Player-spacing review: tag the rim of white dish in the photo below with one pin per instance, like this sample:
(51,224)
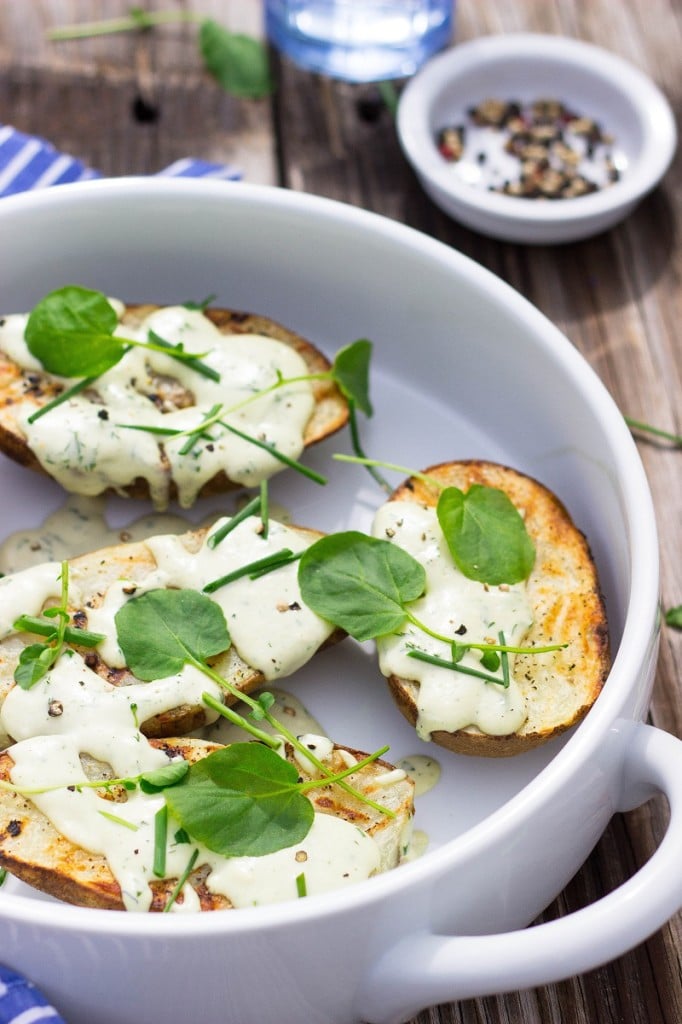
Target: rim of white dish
(654,114)
(639,619)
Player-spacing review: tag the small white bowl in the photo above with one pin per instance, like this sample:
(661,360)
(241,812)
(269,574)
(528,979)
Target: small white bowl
(525,67)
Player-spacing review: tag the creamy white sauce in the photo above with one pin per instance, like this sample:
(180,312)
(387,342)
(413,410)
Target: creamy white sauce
(77,526)
(83,442)
(424,772)
(26,592)
(271,628)
(456,607)
(72,711)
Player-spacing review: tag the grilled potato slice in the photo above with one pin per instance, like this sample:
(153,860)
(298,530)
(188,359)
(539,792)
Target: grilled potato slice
(563,591)
(36,853)
(91,576)
(30,389)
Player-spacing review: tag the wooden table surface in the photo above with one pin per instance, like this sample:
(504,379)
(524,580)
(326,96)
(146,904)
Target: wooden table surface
(618,298)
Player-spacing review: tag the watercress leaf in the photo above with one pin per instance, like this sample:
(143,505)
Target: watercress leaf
(162,630)
(161,778)
(458,651)
(71,332)
(31,666)
(360,583)
(242,800)
(237,62)
(490,660)
(485,534)
(351,373)
(673,617)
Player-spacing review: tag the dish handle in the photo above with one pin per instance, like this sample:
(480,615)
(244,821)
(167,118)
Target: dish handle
(424,969)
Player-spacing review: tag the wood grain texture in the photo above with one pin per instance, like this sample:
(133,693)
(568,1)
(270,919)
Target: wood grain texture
(617,297)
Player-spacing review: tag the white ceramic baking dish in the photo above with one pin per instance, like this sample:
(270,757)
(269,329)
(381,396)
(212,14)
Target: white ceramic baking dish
(464,367)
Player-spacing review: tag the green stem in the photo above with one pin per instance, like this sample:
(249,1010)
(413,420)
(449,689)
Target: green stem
(281,730)
(239,720)
(139,20)
(362,460)
(500,647)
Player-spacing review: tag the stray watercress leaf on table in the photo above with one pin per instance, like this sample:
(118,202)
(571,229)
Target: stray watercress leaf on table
(673,617)
(485,534)
(360,583)
(242,800)
(239,63)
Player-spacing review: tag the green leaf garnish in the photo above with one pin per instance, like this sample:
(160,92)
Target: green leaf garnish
(360,583)
(242,800)
(237,62)
(71,332)
(350,371)
(161,778)
(485,534)
(35,660)
(161,630)
(673,617)
(157,639)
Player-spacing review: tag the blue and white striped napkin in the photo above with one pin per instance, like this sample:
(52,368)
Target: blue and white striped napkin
(28,161)
(22,1003)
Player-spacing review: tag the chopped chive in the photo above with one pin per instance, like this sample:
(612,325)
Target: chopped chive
(264,509)
(196,435)
(119,821)
(254,569)
(431,659)
(293,556)
(301,887)
(181,881)
(504,657)
(84,637)
(249,510)
(280,456)
(160,841)
(60,399)
(193,362)
(656,431)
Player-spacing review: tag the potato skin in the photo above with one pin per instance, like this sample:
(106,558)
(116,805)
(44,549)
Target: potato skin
(564,593)
(16,385)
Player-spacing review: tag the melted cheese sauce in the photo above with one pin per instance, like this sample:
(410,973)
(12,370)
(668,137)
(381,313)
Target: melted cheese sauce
(84,444)
(464,609)
(72,711)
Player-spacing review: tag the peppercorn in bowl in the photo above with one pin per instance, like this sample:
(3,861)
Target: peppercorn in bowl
(535,139)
